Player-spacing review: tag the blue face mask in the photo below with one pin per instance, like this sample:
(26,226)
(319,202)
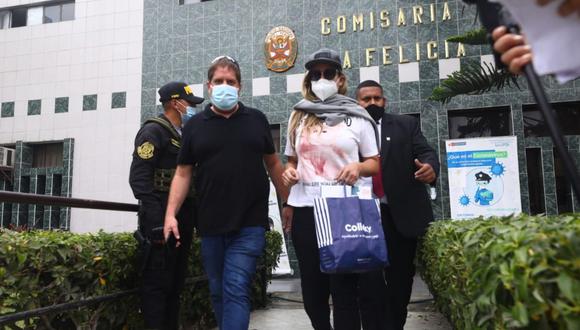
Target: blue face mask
(224,97)
(189,112)
(185,117)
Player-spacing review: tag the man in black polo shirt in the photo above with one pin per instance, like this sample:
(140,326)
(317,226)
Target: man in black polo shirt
(227,145)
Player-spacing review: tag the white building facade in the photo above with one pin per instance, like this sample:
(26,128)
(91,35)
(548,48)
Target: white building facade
(70,96)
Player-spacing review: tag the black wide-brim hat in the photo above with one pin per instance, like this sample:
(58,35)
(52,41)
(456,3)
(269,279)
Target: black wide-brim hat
(176,90)
(324,55)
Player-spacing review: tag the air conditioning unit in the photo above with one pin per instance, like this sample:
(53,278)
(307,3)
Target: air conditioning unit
(7,157)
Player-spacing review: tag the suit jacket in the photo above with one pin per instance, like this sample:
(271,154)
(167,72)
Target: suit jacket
(401,143)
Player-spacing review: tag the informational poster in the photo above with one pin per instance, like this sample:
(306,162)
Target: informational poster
(275,220)
(484,178)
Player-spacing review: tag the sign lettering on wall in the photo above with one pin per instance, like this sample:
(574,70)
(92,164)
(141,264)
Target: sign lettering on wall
(386,19)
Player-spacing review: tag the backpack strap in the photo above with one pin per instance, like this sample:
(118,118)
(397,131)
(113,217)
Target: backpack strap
(165,124)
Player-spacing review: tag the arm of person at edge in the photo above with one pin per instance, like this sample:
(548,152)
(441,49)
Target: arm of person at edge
(177,193)
(426,160)
(515,51)
(275,170)
(289,178)
(513,48)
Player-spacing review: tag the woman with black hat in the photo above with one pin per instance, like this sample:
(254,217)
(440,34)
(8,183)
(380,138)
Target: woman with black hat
(331,141)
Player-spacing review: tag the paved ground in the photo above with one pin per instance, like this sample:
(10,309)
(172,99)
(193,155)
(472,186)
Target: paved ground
(286,312)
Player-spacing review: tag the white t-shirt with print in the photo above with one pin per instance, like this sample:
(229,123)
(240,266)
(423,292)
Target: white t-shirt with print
(323,154)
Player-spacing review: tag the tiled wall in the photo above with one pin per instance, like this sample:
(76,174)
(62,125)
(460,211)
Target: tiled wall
(181,40)
(179,43)
(79,80)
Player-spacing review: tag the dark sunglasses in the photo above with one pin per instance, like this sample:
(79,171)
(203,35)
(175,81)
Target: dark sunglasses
(329,74)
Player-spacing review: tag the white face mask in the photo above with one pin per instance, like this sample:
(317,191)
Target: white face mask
(324,88)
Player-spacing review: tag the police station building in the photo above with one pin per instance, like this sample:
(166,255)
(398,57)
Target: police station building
(78,77)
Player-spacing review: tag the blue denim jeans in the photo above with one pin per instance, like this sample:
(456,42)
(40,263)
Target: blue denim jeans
(230,263)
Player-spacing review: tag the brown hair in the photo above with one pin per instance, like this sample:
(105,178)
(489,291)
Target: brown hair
(310,120)
(226,62)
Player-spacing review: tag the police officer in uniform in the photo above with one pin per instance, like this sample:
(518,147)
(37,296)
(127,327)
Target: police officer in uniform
(163,264)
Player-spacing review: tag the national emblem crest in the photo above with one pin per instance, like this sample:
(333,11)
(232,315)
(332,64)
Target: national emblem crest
(280,49)
(145,150)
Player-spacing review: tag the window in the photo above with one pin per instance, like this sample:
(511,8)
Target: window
(39,209)
(9,154)
(56,191)
(567,114)
(19,17)
(67,11)
(51,12)
(5,17)
(6,207)
(47,155)
(535,180)
(23,208)
(34,16)
(563,186)
(480,122)
(59,12)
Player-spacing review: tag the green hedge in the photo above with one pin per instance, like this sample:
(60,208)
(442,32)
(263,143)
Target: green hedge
(43,268)
(502,273)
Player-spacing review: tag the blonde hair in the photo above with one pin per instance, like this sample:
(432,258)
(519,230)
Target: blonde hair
(310,120)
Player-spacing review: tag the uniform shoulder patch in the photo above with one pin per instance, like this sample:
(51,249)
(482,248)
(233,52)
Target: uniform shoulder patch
(146,150)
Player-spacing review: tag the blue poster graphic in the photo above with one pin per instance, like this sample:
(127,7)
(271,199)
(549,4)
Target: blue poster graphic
(483,177)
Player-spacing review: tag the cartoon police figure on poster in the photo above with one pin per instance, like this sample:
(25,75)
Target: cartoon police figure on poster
(280,49)
(483,177)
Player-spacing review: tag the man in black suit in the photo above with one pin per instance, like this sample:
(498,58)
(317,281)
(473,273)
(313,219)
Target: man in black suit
(408,163)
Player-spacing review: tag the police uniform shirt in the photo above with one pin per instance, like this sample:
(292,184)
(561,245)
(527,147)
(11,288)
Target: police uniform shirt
(156,148)
(231,181)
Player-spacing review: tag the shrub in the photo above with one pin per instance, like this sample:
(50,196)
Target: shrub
(511,272)
(44,268)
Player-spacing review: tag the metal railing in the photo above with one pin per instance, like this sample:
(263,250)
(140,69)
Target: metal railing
(26,198)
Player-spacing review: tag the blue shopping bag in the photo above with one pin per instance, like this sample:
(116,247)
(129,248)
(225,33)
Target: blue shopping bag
(349,234)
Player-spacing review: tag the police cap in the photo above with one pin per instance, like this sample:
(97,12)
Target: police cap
(176,90)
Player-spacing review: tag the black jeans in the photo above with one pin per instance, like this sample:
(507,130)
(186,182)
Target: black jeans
(358,298)
(399,274)
(164,276)
(315,284)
